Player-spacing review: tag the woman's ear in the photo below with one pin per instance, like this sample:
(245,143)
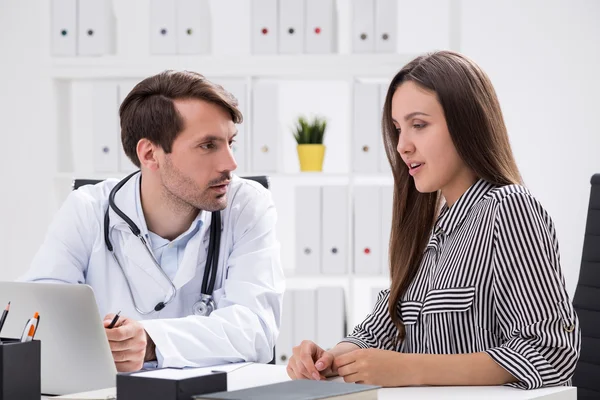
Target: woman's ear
(147,152)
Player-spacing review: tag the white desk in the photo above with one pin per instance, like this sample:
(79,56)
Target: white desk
(263,374)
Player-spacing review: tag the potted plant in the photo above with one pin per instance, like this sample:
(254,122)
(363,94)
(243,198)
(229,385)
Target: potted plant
(309,136)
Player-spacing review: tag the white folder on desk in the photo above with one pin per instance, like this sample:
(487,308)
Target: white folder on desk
(125,164)
(367,230)
(193,26)
(386,22)
(291,26)
(64,27)
(386,194)
(264,26)
(163,31)
(96,28)
(285,340)
(363,26)
(105,127)
(265,127)
(331,316)
(238,88)
(366,138)
(308,230)
(335,230)
(320,32)
(305,310)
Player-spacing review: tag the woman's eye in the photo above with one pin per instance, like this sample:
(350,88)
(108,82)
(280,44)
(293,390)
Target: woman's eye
(419,126)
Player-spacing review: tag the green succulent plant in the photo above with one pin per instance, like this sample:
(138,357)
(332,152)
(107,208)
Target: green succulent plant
(310,131)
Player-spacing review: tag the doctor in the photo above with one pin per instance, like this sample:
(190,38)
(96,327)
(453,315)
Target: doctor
(178,128)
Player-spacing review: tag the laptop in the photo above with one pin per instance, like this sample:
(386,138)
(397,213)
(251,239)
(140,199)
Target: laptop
(76,356)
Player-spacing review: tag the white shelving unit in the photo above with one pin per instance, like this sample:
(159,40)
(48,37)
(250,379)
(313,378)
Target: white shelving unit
(344,67)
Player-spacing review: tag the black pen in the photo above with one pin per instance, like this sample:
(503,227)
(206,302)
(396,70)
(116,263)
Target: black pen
(4,314)
(114,321)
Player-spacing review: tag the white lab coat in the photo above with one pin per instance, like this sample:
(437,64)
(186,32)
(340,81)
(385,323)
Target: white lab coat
(248,289)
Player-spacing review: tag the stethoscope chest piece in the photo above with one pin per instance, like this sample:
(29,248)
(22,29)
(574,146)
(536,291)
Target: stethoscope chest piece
(204,306)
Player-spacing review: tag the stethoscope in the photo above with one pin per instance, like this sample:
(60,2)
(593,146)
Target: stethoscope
(206,304)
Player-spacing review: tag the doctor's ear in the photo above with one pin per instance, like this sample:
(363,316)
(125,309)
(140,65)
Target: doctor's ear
(148,154)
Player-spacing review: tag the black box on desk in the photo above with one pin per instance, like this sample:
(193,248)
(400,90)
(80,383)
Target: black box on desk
(20,370)
(136,386)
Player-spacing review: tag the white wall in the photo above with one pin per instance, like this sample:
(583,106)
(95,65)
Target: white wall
(542,56)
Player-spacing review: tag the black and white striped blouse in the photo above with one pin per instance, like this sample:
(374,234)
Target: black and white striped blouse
(490,280)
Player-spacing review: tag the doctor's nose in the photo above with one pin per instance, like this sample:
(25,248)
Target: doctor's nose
(228,162)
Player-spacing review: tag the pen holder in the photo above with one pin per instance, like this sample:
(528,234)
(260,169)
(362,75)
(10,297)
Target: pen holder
(20,366)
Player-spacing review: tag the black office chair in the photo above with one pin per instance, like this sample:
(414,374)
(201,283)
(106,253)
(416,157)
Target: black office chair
(262,179)
(587,302)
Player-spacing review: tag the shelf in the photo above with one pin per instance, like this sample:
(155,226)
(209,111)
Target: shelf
(301,66)
(302,178)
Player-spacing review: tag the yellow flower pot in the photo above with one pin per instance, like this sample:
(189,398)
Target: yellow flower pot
(311,157)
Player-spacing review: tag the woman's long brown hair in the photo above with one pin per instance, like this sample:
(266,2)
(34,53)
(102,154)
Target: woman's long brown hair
(477,129)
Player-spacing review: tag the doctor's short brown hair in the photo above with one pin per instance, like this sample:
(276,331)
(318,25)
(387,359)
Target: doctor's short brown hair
(148,111)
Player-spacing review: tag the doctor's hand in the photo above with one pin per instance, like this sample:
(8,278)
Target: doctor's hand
(309,361)
(379,367)
(129,343)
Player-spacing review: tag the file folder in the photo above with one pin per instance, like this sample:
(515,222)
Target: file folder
(193,26)
(105,127)
(305,309)
(335,230)
(96,28)
(264,26)
(285,340)
(363,29)
(366,136)
(291,26)
(367,230)
(64,27)
(265,127)
(163,34)
(386,22)
(384,164)
(308,230)
(320,26)
(331,316)
(386,198)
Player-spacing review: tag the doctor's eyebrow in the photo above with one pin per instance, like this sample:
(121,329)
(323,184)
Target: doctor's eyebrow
(215,138)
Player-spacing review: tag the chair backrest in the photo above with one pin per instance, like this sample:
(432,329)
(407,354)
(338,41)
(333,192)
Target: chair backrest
(587,302)
(262,179)
(77,183)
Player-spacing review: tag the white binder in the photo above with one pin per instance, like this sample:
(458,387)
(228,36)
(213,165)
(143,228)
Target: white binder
(264,26)
(285,340)
(384,164)
(163,22)
(320,26)
(125,164)
(367,230)
(265,127)
(386,205)
(105,127)
(366,137)
(291,26)
(64,27)
(305,310)
(434,30)
(363,29)
(230,27)
(193,26)
(96,28)
(308,230)
(238,89)
(331,316)
(386,22)
(335,230)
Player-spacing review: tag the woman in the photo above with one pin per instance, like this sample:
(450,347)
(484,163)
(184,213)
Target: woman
(477,294)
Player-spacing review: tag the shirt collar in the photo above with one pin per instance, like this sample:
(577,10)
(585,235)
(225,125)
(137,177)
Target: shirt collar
(451,217)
